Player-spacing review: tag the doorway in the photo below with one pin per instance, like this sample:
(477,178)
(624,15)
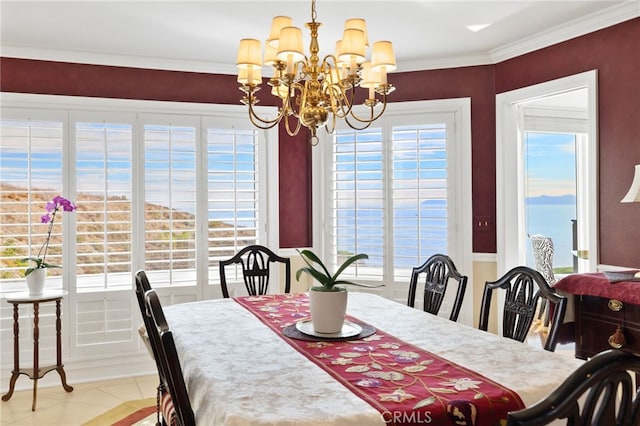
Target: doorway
(557,120)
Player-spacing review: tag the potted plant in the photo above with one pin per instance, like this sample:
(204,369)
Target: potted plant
(35,275)
(328,300)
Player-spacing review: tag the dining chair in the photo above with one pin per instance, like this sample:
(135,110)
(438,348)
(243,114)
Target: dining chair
(255,261)
(543,256)
(142,286)
(602,391)
(437,271)
(523,287)
(174,401)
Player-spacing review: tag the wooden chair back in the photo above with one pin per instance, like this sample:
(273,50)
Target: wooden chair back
(179,411)
(255,261)
(142,286)
(603,391)
(523,287)
(437,271)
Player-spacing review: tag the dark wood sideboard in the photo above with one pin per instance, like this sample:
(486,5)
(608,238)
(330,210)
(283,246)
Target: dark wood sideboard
(597,320)
(601,307)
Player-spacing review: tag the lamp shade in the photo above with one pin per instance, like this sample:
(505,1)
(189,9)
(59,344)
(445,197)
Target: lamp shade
(360,24)
(249,54)
(277,24)
(249,76)
(290,44)
(633,195)
(383,56)
(353,45)
(370,77)
(270,54)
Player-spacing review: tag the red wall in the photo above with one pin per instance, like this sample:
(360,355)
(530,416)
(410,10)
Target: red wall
(614,52)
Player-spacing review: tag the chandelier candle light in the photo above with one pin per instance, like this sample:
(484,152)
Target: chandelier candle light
(315,92)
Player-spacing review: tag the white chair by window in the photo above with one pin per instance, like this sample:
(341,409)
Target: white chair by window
(543,256)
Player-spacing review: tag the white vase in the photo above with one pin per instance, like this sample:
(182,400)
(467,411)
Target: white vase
(35,281)
(327,309)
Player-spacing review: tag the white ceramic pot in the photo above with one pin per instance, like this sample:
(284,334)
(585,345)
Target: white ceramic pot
(35,281)
(327,309)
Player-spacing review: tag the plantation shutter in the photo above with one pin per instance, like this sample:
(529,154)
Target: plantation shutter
(233,195)
(104,192)
(358,214)
(102,308)
(170,202)
(420,199)
(30,175)
(390,197)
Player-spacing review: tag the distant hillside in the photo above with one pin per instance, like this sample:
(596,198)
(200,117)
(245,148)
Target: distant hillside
(550,199)
(164,228)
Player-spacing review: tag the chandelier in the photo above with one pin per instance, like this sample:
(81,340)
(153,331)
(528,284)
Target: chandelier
(314,93)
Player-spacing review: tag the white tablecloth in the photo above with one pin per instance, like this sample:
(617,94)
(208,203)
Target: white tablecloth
(238,372)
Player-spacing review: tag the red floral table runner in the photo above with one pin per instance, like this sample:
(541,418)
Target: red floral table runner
(406,384)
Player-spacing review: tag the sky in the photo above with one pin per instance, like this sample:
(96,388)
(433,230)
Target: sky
(550,164)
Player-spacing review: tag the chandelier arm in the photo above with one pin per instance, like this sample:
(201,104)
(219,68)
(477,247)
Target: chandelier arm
(259,125)
(288,127)
(372,116)
(253,115)
(344,102)
(333,124)
(367,124)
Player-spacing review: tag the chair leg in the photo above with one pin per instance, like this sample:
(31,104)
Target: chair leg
(541,323)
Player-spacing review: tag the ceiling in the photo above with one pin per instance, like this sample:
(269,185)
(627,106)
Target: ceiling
(204,35)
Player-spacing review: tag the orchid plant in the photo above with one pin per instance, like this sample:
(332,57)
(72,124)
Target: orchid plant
(328,282)
(52,207)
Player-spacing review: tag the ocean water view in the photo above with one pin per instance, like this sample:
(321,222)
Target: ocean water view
(421,233)
(552,220)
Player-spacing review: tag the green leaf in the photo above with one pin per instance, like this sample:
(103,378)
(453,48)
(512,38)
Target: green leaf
(322,279)
(348,262)
(309,255)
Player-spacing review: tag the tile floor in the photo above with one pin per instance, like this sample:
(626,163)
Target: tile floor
(55,407)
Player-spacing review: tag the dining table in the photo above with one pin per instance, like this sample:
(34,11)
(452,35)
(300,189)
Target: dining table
(254,360)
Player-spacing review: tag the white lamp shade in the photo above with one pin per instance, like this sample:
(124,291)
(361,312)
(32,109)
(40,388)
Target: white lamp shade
(360,24)
(277,24)
(270,54)
(353,45)
(249,54)
(383,56)
(290,44)
(249,76)
(633,195)
(370,77)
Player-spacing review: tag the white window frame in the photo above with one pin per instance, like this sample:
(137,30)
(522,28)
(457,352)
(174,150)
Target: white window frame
(510,230)
(462,215)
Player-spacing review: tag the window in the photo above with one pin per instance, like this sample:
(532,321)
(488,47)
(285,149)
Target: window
(30,157)
(233,195)
(162,187)
(565,105)
(395,192)
(170,204)
(550,193)
(104,190)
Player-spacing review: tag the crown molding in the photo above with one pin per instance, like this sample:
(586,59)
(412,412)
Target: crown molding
(571,29)
(614,15)
(442,63)
(84,57)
